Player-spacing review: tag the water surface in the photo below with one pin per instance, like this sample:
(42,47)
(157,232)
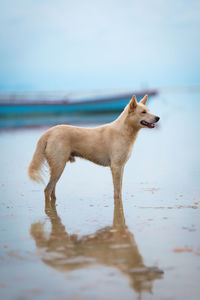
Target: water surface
(85,247)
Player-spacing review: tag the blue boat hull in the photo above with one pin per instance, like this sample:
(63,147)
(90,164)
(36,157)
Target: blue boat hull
(44,109)
(24,113)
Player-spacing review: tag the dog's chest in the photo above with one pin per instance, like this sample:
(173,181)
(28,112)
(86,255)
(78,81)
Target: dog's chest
(122,155)
(129,153)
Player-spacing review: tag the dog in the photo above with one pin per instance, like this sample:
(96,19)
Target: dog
(109,145)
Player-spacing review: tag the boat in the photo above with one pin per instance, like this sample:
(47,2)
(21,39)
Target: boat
(37,105)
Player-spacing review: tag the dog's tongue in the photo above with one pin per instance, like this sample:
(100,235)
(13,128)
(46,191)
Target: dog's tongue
(151,125)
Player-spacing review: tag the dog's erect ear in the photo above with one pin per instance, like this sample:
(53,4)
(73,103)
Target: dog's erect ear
(133,103)
(144,100)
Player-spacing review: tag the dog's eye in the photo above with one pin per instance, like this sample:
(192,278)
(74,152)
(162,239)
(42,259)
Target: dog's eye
(144,112)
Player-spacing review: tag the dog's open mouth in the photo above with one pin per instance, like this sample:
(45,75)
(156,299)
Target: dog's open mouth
(149,125)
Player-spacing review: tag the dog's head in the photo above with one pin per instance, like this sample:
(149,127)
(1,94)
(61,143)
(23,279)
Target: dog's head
(139,115)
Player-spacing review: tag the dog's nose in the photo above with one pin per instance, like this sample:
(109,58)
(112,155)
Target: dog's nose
(157,119)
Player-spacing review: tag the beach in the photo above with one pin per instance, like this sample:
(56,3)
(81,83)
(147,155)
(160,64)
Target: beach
(87,246)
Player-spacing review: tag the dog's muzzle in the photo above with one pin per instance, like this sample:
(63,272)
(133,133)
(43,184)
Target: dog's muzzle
(150,125)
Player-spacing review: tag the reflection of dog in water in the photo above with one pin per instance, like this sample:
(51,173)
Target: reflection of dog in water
(109,145)
(111,246)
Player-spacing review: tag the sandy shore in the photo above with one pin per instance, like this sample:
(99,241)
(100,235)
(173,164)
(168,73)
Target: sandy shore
(88,248)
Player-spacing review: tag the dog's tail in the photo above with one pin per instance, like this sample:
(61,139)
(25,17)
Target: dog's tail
(34,169)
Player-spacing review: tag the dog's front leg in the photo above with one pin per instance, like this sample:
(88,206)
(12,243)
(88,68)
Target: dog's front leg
(117,175)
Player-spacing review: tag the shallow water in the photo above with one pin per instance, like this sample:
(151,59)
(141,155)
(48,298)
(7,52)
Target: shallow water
(88,248)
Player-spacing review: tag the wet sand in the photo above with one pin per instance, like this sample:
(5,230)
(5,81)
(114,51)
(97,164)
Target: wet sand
(87,247)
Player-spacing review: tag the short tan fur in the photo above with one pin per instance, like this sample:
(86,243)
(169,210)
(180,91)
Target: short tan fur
(109,145)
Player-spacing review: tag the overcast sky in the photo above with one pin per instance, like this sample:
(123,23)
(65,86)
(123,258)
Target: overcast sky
(90,44)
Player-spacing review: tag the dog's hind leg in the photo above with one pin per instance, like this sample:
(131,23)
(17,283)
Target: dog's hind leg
(50,188)
(56,169)
(117,175)
(53,195)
